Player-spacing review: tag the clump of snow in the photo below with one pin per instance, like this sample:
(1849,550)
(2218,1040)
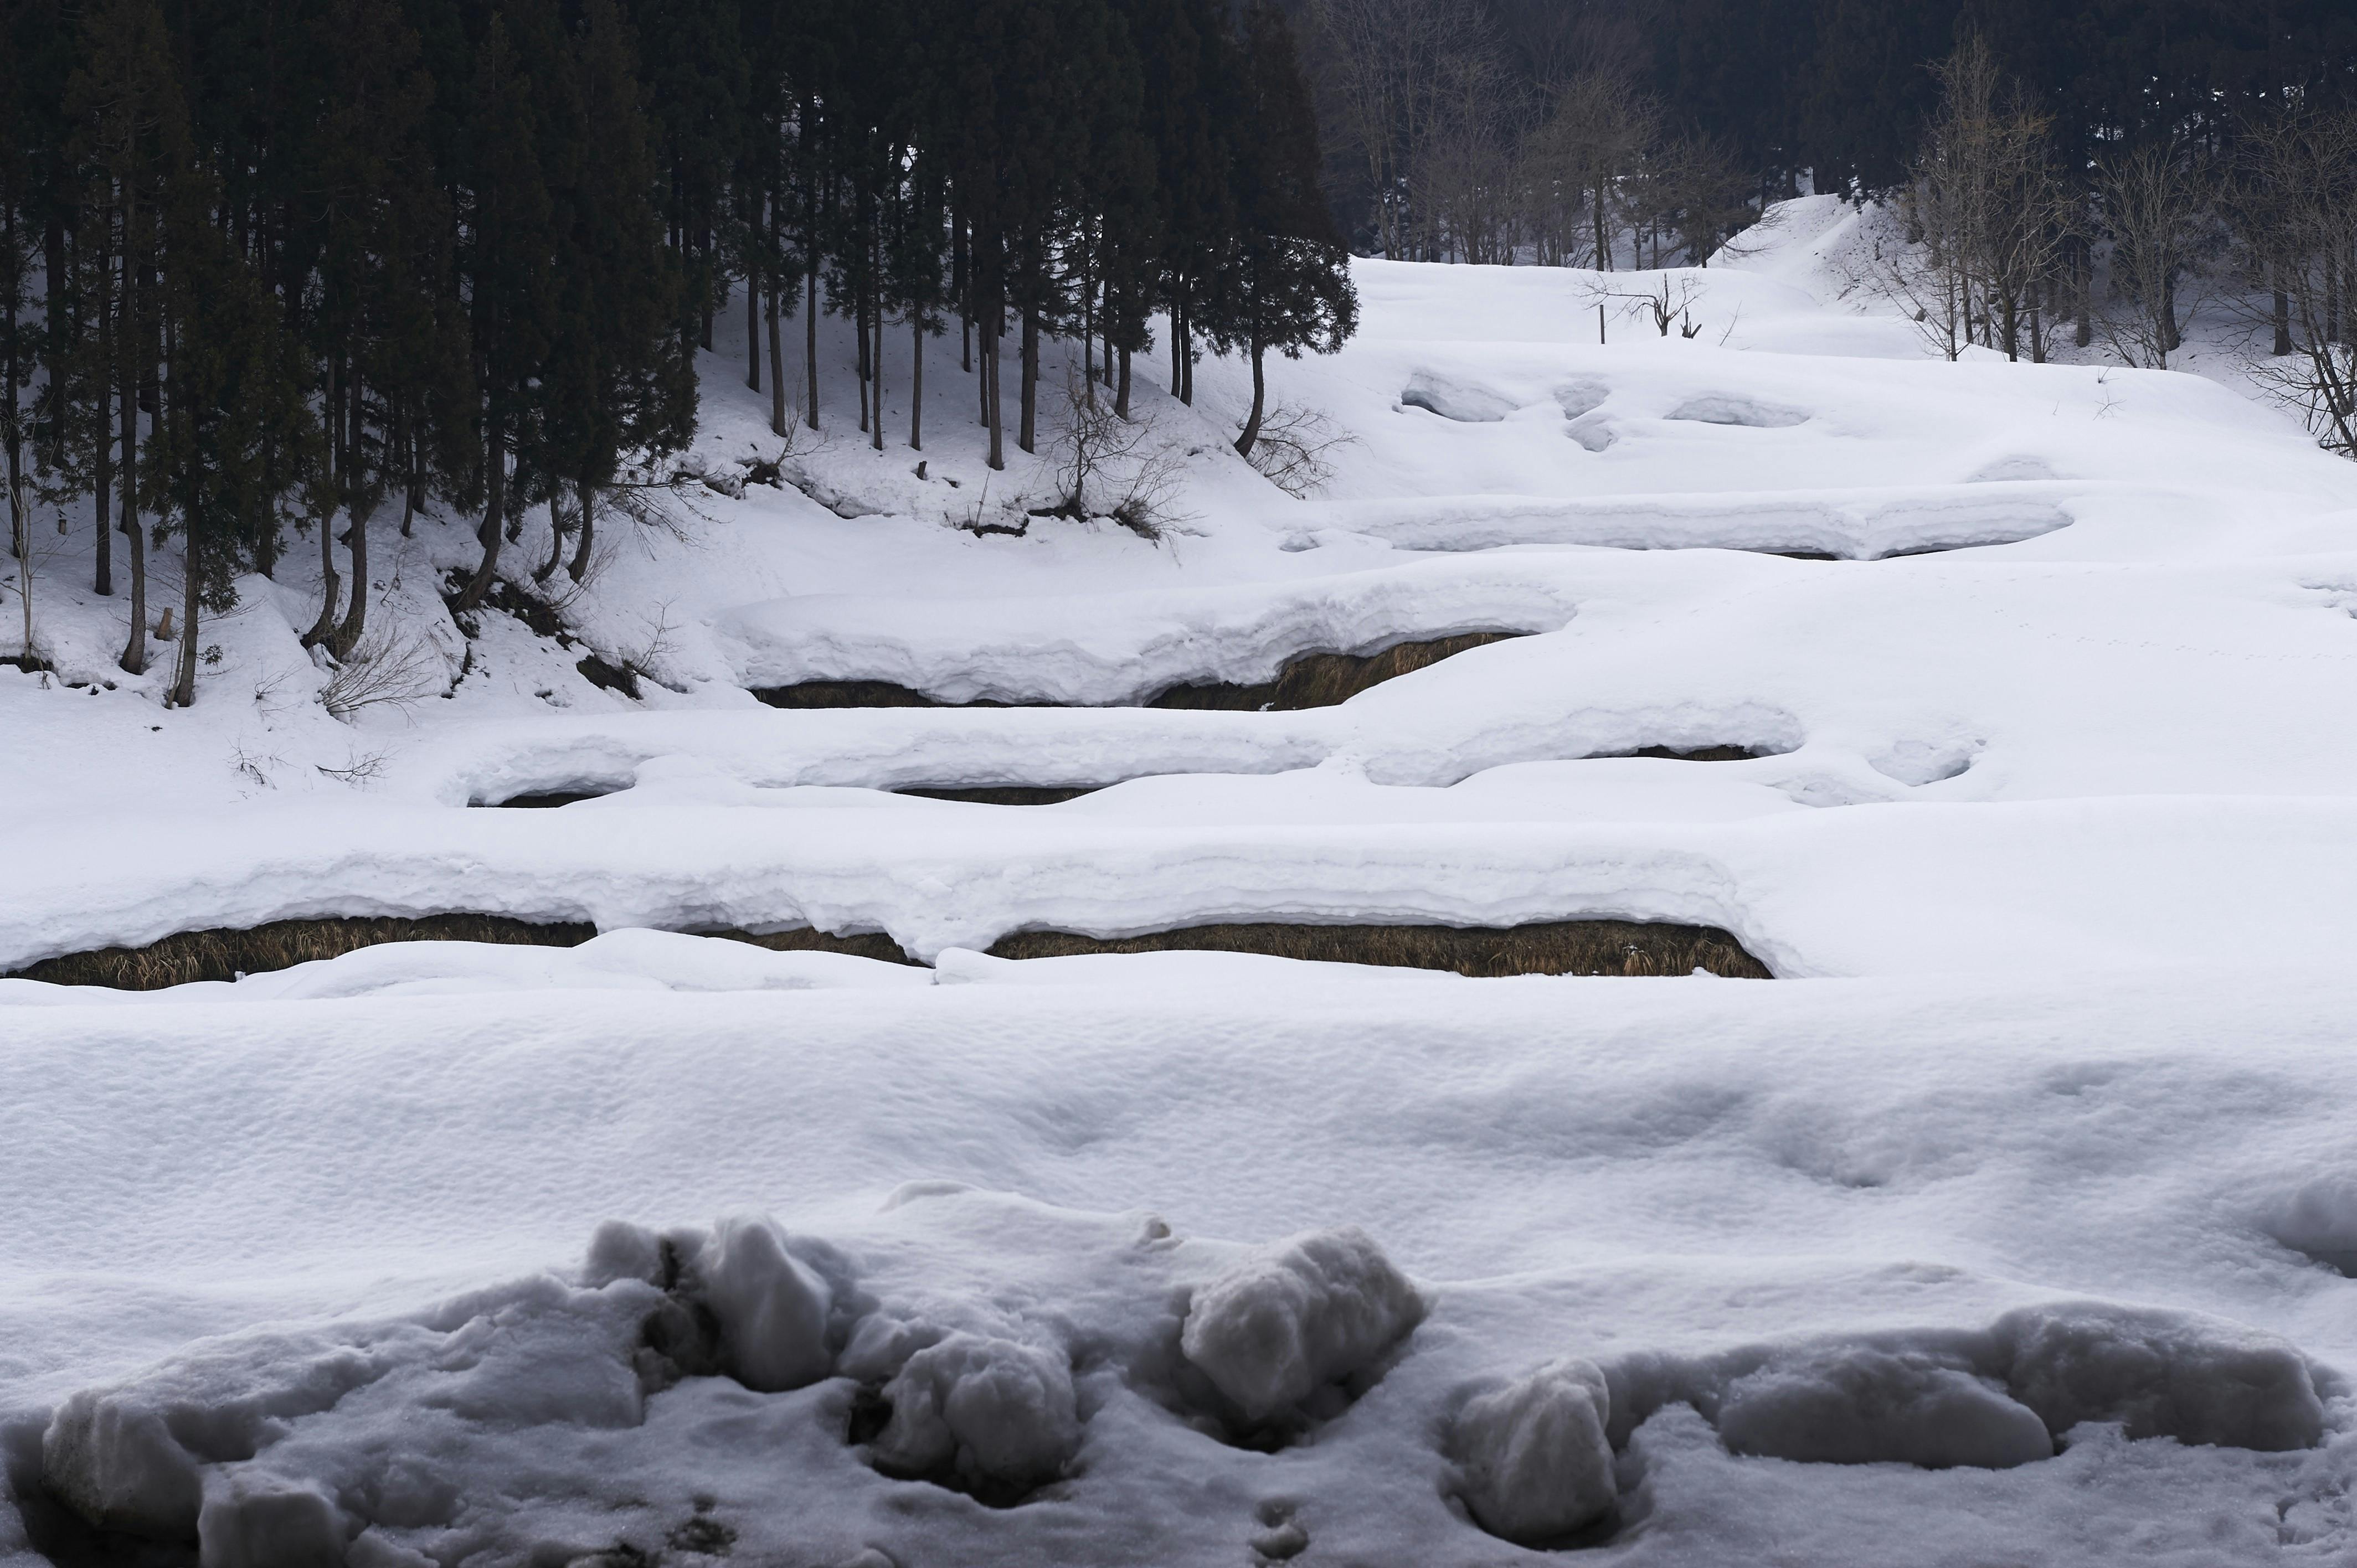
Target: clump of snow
(1865,1405)
(1536,1462)
(259,1521)
(771,1308)
(2162,1374)
(990,1412)
(1286,1322)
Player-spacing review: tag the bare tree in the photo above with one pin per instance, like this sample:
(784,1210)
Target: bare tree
(1595,137)
(2155,202)
(1988,213)
(2293,196)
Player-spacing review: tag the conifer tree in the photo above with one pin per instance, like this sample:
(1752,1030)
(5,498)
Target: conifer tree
(1285,280)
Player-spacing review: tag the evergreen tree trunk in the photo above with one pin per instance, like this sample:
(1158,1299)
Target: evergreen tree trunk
(810,344)
(2280,312)
(586,495)
(492,531)
(752,331)
(355,622)
(990,395)
(57,308)
(1121,397)
(1259,400)
(338,479)
(184,685)
(1029,371)
(1178,342)
(103,465)
(917,387)
(135,650)
(547,569)
(2082,286)
(875,358)
(1186,362)
(777,367)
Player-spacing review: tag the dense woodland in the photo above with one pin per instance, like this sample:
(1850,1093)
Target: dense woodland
(282,273)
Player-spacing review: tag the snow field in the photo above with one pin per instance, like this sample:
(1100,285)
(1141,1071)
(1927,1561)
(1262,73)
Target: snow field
(2014,1223)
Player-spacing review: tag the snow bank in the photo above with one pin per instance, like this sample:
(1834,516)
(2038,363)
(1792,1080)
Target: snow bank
(772,1309)
(1536,1461)
(1285,1323)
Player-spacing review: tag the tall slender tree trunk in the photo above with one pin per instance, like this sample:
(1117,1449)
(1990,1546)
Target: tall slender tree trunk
(1178,342)
(810,345)
(2280,313)
(875,358)
(917,382)
(103,438)
(135,650)
(1121,396)
(355,622)
(752,331)
(184,684)
(1186,361)
(323,626)
(1029,372)
(493,528)
(998,421)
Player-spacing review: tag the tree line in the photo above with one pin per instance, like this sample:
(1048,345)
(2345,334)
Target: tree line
(1568,131)
(272,274)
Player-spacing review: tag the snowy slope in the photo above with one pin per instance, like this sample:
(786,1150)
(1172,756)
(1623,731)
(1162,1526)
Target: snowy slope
(2037,1141)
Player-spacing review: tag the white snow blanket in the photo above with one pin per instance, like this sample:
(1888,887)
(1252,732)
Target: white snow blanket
(2015,1222)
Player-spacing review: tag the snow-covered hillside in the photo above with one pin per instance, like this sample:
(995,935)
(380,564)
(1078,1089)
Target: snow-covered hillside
(2015,1221)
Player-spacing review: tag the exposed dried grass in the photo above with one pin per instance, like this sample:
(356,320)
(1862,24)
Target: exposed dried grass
(1008,794)
(1561,947)
(858,944)
(1306,680)
(224,953)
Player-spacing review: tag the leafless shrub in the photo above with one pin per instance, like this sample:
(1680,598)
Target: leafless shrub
(1298,448)
(1106,466)
(1668,305)
(361,769)
(388,669)
(2295,202)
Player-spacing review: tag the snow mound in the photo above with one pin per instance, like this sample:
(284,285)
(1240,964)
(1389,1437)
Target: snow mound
(2162,1374)
(1537,1465)
(991,1414)
(1287,1322)
(1865,1406)
(1452,399)
(2319,1220)
(1732,408)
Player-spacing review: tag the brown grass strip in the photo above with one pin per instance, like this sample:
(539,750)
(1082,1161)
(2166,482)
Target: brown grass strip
(224,953)
(1307,681)
(1560,947)
(1008,794)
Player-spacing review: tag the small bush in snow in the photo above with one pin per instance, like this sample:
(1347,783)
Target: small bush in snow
(1298,449)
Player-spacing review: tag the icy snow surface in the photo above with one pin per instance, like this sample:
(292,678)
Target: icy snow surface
(2013,1223)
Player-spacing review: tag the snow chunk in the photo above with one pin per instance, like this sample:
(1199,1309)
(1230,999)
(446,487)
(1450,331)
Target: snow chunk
(1864,1406)
(772,1309)
(255,1521)
(1536,1461)
(125,1456)
(986,1411)
(1310,1311)
(2162,1374)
